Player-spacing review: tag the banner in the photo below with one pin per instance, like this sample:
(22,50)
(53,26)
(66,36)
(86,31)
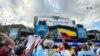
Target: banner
(74,43)
(41,30)
(54,22)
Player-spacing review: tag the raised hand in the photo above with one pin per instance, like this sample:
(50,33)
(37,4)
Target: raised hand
(10,41)
(48,34)
(4,35)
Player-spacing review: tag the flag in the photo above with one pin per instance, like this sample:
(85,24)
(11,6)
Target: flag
(66,34)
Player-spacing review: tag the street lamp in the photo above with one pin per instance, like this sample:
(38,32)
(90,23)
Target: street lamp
(4,20)
(4,23)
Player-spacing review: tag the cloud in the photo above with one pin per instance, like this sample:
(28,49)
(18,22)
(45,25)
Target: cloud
(84,12)
(95,25)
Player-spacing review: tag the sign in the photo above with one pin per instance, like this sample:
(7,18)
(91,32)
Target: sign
(53,22)
(41,30)
(82,33)
(13,33)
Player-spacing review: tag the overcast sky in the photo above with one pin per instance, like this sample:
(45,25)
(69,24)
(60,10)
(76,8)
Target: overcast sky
(84,12)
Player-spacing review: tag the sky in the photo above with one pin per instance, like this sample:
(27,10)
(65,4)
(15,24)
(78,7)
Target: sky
(84,12)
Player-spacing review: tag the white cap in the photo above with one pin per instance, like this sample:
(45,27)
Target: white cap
(49,43)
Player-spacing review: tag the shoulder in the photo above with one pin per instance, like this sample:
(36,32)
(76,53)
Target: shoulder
(55,53)
(39,48)
(90,53)
(66,52)
(80,52)
(30,36)
(98,49)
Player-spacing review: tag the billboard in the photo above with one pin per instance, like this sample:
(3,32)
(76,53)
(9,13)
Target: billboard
(82,33)
(53,22)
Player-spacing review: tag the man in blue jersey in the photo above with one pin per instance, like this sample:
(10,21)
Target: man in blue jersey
(85,51)
(45,47)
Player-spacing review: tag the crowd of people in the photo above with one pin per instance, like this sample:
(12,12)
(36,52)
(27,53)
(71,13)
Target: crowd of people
(33,46)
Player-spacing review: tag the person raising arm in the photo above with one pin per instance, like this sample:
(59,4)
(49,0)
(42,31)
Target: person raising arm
(23,51)
(10,41)
(6,49)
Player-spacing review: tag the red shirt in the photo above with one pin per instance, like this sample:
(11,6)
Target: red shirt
(5,52)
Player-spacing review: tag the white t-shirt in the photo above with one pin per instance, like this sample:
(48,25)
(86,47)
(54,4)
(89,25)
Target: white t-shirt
(42,52)
(98,51)
(86,53)
(29,43)
(65,53)
(30,40)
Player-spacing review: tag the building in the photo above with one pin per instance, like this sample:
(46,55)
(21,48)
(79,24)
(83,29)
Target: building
(94,34)
(1,28)
(66,27)
(16,30)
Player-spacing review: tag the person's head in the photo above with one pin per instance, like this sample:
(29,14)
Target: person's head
(89,44)
(89,40)
(55,46)
(69,47)
(3,46)
(27,34)
(20,50)
(65,45)
(98,45)
(85,47)
(48,43)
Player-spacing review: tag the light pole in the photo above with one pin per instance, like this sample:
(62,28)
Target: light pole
(4,23)
(4,20)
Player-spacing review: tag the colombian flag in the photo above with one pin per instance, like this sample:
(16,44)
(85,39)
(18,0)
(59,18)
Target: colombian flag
(66,34)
